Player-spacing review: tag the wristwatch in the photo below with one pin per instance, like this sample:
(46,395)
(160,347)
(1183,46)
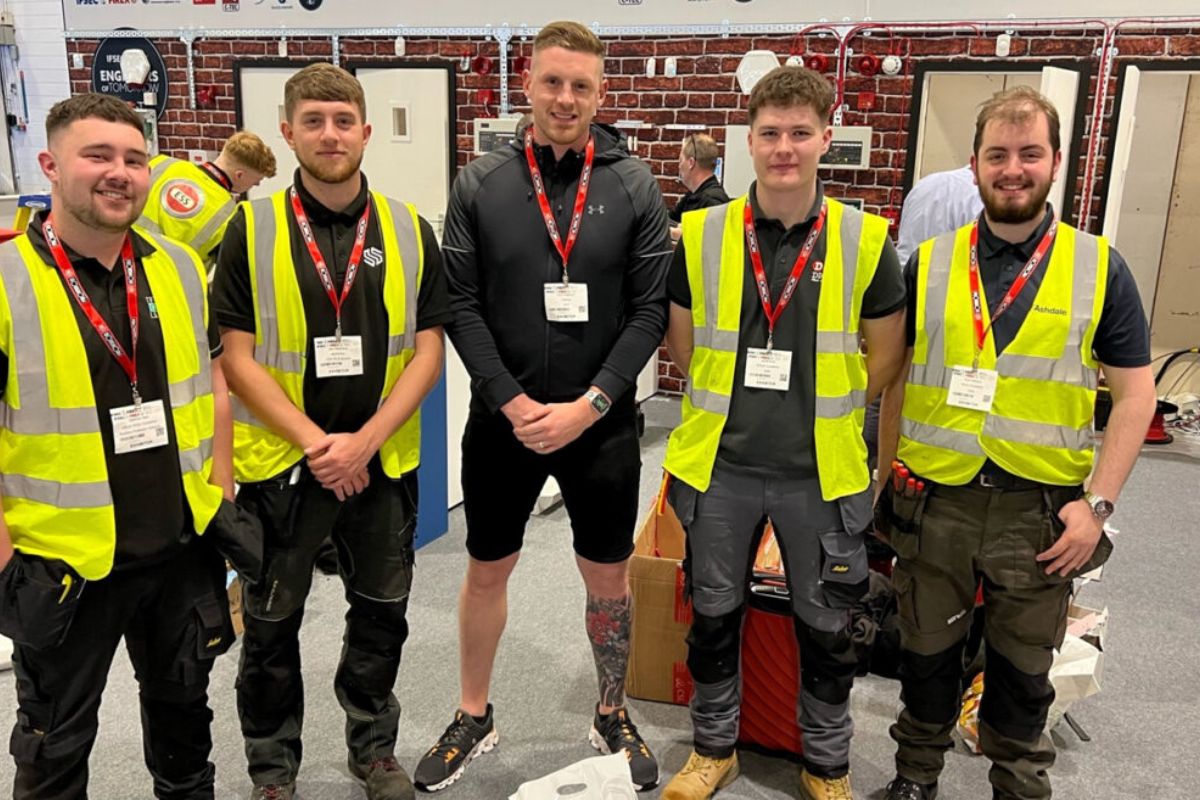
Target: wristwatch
(598,401)
(1102,507)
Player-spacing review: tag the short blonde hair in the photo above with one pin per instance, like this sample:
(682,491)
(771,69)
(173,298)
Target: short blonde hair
(703,148)
(1019,106)
(569,36)
(250,152)
(323,81)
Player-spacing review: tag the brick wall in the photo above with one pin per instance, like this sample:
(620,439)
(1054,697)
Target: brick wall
(703,92)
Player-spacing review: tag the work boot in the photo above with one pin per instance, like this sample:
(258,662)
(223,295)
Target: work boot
(904,789)
(274,791)
(701,777)
(815,788)
(384,779)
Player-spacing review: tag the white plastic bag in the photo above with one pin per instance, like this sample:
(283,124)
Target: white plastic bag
(599,778)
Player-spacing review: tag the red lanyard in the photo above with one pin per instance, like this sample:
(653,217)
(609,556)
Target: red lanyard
(128,361)
(760,274)
(217,175)
(360,238)
(1018,284)
(539,188)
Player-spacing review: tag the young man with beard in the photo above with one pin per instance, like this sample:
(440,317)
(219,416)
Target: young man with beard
(1010,319)
(556,250)
(331,299)
(770,295)
(108,439)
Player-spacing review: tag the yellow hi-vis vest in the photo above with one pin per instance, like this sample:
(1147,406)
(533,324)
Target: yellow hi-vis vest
(1040,423)
(186,204)
(714,241)
(281,331)
(53,475)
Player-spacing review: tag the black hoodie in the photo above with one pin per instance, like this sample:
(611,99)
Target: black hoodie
(498,256)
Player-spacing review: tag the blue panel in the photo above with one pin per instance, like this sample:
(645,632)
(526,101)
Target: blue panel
(433,518)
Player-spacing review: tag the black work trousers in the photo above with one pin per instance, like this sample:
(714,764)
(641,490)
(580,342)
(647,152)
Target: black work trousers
(174,616)
(373,533)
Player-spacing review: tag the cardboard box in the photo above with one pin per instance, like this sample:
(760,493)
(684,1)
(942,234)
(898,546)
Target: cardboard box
(661,618)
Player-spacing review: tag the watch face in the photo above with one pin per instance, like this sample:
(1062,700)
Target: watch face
(1103,508)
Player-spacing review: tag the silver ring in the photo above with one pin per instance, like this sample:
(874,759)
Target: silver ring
(541,445)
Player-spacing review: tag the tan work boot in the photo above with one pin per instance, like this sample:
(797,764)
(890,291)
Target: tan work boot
(814,788)
(701,777)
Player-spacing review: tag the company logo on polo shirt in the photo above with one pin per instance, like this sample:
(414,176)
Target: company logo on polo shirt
(182,199)
(373,256)
(1058,312)
(818,271)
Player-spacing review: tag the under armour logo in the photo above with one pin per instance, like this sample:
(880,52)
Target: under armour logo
(373,256)
(595,209)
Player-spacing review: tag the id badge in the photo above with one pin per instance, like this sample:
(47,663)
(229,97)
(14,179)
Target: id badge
(972,388)
(338,358)
(566,302)
(139,427)
(768,369)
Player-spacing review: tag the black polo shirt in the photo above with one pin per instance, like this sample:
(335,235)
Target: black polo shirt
(709,193)
(770,433)
(343,404)
(152,515)
(1122,335)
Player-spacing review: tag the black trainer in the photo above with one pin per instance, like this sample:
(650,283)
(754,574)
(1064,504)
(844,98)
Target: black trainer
(615,733)
(462,741)
(903,789)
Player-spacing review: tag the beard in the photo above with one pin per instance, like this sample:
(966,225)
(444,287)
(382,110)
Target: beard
(331,173)
(1010,214)
(93,217)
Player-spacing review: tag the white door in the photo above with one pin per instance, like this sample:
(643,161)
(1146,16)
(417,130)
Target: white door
(260,95)
(409,158)
(1061,87)
(409,155)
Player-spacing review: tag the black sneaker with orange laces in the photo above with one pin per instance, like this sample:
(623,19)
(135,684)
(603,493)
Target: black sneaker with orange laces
(616,732)
(457,747)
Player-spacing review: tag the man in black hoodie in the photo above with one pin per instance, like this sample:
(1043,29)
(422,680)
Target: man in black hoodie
(557,251)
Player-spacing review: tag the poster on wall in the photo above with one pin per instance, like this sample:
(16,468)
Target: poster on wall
(108,78)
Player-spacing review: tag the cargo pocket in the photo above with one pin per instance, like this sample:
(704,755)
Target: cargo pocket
(900,518)
(38,598)
(682,498)
(214,628)
(843,568)
(34,719)
(1053,530)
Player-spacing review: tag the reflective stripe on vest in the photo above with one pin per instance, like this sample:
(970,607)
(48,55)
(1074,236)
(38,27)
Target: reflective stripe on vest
(203,232)
(53,471)
(714,244)
(281,335)
(1040,424)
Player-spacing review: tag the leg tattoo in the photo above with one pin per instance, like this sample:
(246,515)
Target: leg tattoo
(608,621)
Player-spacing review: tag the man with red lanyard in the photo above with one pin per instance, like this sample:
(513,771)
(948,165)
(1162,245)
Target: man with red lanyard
(556,250)
(192,203)
(1010,319)
(331,299)
(108,452)
(770,295)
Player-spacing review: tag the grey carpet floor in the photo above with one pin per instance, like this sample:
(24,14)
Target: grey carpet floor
(1145,725)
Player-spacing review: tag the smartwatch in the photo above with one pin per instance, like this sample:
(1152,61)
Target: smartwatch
(599,403)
